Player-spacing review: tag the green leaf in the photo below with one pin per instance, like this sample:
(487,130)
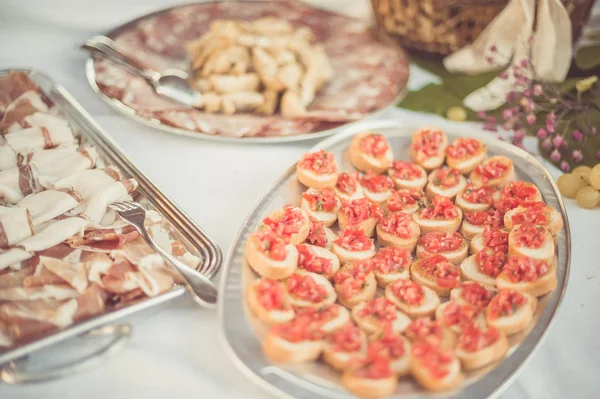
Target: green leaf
(588,57)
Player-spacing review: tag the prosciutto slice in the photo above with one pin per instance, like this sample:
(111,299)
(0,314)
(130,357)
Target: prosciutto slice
(49,204)
(15,278)
(96,204)
(15,226)
(89,182)
(91,302)
(104,240)
(58,291)
(43,137)
(10,159)
(31,318)
(72,273)
(37,119)
(12,85)
(19,182)
(57,169)
(26,104)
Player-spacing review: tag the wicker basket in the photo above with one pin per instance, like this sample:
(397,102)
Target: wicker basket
(443,26)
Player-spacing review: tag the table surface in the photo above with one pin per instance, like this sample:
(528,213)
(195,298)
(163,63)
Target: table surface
(175,351)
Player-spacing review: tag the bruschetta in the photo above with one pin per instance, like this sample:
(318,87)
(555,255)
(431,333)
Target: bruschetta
(407,175)
(476,199)
(355,283)
(360,213)
(480,346)
(491,237)
(317,169)
(370,152)
(533,241)
(445,181)
(398,230)
(297,341)
(438,215)
(321,204)
(353,245)
(317,260)
(496,171)
(435,368)
(539,213)
(390,264)
(377,314)
(373,378)
(271,256)
(451,245)
(289,222)
(393,346)
(473,293)
(267,301)
(306,289)
(436,273)
(484,266)
(348,186)
(377,188)
(411,298)
(344,346)
(428,148)
(319,235)
(517,193)
(510,311)
(465,154)
(327,318)
(531,276)
(404,200)
(474,222)
(431,331)
(455,315)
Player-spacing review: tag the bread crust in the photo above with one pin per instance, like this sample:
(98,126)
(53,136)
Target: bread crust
(390,240)
(268,317)
(269,268)
(427,381)
(327,217)
(419,276)
(469,230)
(466,166)
(367,225)
(321,281)
(468,206)
(312,180)
(281,351)
(364,162)
(435,161)
(516,322)
(370,388)
(545,284)
(544,253)
(343,361)
(431,190)
(441,225)
(554,222)
(365,294)
(383,279)
(426,309)
(454,257)
(485,356)
(372,325)
(498,182)
(300,236)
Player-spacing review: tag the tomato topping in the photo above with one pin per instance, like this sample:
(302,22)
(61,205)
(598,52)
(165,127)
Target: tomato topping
(347,183)
(306,288)
(463,147)
(317,235)
(473,338)
(529,235)
(479,195)
(270,244)
(380,308)
(445,273)
(404,170)
(458,314)
(352,279)
(398,224)
(427,143)
(374,145)
(475,294)
(435,359)
(374,369)
(388,346)
(301,328)
(436,242)
(354,240)
(523,268)
(441,207)
(360,209)
(425,330)
(309,261)
(270,294)
(323,200)
(319,316)
(536,214)
(408,292)
(346,339)
(320,162)
(445,177)
(515,194)
(491,261)
(402,199)
(506,303)
(491,170)
(494,237)
(376,183)
(392,260)
(287,223)
(491,217)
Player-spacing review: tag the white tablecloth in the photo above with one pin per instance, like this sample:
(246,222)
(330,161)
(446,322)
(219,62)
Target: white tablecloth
(175,351)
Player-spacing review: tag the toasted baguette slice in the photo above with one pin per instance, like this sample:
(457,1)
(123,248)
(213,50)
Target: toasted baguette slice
(485,356)
(456,256)
(369,388)
(467,206)
(342,361)
(431,162)
(469,270)
(554,222)
(378,197)
(448,340)
(320,252)
(411,184)
(390,240)
(304,227)
(432,189)
(424,377)
(329,238)
(478,243)
(441,225)
(543,285)
(267,267)
(346,256)
(466,164)
(371,324)
(425,309)
(366,162)
(365,294)
(544,253)
(327,217)
(341,319)
(422,277)
(477,180)
(322,281)
(469,230)
(479,317)
(383,279)
(267,316)
(515,322)
(282,351)
(457,293)
(367,225)
(313,180)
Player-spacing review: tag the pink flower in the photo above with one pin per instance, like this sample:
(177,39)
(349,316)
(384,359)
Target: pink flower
(525,63)
(577,156)
(481,114)
(527,93)
(547,144)
(542,134)
(558,141)
(555,156)
(550,127)
(564,166)
(491,119)
(507,114)
(490,60)
(520,133)
(503,75)
(550,117)
(510,97)
(537,90)
(530,40)
(493,49)
(577,135)
(531,119)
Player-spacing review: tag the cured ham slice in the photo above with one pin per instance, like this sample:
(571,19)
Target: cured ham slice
(97,204)
(13,256)
(58,291)
(90,302)
(54,170)
(15,278)
(15,226)
(53,233)
(42,137)
(17,183)
(10,159)
(12,85)
(5,340)
(49,204)
(89,182)
(43,276)
(105,240)
(26,104)
(72,273)
(38,119)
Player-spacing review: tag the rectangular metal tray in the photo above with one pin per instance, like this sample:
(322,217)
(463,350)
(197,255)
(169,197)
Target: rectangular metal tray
(180,225)
(241,332)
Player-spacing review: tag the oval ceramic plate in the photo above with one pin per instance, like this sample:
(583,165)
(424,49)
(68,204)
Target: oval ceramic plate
(241,332)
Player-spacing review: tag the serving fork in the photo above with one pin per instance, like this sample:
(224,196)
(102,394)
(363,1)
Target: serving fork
(205,292)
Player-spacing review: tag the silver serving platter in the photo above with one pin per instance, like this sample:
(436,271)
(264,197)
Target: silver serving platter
(157,124)
(241,332)
(180,226)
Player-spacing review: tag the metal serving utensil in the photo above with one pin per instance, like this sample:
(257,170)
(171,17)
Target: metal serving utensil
(204,290)
(170,83)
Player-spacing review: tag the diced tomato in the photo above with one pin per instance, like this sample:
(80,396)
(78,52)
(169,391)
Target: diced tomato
(352,278)
(392,260)
(523,268)
(479,195)
(491,217)
(271,244)
(440,208)
(435,359)
(458,314)
(463,148)
(317,235)
(354,240)
(402,199)
(445,273)
(380,308)
(436,242)
(309,261)
(491,170)
(320,162)
(305,288)
(319,316)
(374,369)
(491,261)
(374,145)
(323,200)
(475,294)
(404,170)
(425,330)
(495,237)
(529,235)
(427,143)
(408,292)
(473,338)
(346,339)
(347,183)
(376,183)
(537,214)
(506,303)
(270,294)
(388,345)
(287,223)
(446,177)
(301,328)
(398,224)
(515,194)
(360,209)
